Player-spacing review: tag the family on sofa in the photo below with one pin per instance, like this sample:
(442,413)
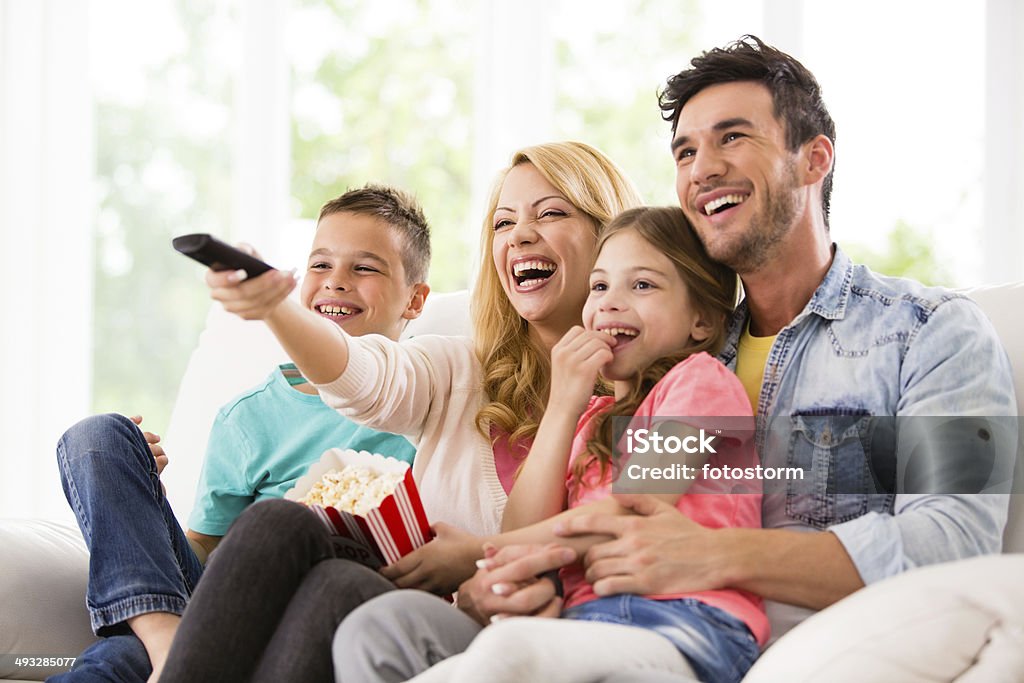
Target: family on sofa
(589,307)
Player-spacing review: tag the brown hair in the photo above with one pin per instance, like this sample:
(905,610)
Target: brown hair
(796,95)
(398,209)
(712,289)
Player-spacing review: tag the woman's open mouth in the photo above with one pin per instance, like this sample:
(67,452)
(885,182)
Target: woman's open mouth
(532,273)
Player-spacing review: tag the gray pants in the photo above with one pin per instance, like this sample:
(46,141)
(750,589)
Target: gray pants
(400,634)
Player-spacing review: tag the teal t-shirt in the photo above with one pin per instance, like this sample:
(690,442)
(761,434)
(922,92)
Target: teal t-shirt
(267,438)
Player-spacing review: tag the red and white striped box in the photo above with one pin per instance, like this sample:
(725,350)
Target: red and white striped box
(386,533)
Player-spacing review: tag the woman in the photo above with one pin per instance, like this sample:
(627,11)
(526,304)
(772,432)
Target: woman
(275,587)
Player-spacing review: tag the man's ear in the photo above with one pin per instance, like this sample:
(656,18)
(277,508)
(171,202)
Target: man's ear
(420,290)
(818,156)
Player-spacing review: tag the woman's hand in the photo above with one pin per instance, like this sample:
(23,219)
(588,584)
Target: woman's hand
(440,565)
(511,582)
(251,299)
(575,362)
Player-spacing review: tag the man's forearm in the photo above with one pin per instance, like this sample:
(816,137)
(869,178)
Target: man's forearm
(808,569)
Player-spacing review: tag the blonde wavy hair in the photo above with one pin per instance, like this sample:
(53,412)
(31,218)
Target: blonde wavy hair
(516,373)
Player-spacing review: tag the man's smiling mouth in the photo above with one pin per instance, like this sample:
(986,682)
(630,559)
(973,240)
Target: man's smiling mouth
(724,203)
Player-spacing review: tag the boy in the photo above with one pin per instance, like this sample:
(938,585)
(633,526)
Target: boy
(366,273)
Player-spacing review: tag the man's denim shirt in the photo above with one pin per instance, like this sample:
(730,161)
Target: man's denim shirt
(868,345)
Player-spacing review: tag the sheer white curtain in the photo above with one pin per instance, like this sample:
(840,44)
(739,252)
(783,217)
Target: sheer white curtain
(1003,239)
(46,218)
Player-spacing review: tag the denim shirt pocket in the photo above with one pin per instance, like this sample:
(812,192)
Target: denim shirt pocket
(829,447)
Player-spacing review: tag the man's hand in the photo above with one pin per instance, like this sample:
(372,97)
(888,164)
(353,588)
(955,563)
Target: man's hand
(440,565)
(660,550)
(655,550)
(508,582)
(250,299)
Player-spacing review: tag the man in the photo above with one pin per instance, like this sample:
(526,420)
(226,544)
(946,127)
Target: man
(754,150)
(822,345)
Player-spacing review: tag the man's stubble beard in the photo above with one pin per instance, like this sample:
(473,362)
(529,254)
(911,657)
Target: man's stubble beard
(749,251)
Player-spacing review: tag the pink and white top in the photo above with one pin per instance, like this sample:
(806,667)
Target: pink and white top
(698,387)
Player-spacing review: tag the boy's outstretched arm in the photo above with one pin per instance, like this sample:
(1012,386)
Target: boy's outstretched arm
(318,347)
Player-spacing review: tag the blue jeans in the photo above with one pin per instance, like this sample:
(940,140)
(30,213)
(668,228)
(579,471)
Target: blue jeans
(719,647)
(121,658)
(139,559)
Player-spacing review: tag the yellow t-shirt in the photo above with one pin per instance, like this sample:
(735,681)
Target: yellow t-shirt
(751,358)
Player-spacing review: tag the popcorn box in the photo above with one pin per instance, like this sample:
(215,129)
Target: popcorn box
(384,534)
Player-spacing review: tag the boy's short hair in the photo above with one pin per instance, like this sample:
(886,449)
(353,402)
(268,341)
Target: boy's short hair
(398,209)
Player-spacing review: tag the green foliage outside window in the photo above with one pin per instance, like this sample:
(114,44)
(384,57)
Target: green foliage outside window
(158,175)
(390,100)
(908,252)
(386,97)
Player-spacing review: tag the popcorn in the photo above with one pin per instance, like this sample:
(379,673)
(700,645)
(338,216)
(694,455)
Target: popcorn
(354,489)
(369,502)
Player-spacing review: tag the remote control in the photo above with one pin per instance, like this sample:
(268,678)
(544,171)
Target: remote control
(218,255)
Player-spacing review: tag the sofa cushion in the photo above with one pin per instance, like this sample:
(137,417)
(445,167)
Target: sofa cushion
(42,581)
(1002,305)
(961,621)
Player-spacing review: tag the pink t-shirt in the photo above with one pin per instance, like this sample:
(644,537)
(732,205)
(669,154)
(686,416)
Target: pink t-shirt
(699,386)
(508,457)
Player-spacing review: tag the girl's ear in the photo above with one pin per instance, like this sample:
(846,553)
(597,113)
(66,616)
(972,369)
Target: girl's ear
(702,328)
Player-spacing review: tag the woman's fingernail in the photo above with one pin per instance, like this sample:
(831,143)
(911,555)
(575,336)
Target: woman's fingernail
(495,618)
(501,589)
(483,564)
(238,275)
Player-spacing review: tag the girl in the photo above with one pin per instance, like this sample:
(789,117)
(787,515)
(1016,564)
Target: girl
(274,593)
(657,308)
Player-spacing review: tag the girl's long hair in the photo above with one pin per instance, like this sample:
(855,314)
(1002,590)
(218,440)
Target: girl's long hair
(516,374)
(712,288)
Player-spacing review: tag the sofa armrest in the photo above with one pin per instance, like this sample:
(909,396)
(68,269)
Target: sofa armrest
(43,575)
(957,621)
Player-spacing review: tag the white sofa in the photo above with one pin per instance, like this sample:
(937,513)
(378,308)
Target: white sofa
(960,621)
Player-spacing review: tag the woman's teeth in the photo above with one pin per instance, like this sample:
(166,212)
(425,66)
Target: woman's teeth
(529,273)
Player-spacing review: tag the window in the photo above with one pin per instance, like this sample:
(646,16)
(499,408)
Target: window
(241,118)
